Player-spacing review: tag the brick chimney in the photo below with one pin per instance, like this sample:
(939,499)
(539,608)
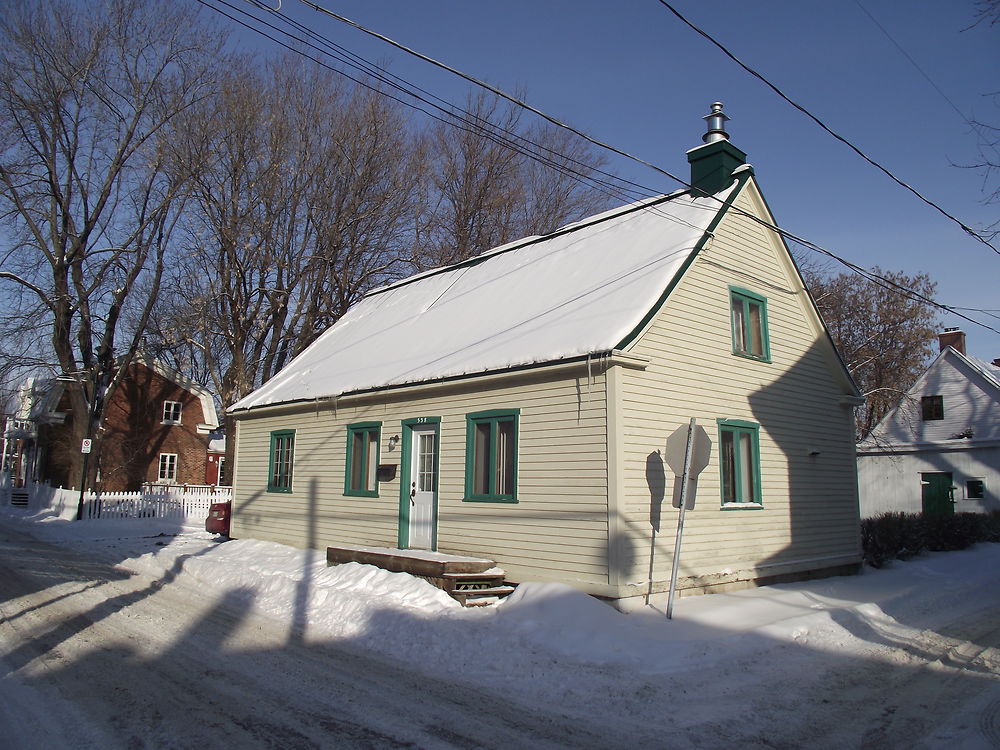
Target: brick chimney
(713,162)
(953,337)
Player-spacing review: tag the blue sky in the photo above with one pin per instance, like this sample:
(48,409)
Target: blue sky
(630,74)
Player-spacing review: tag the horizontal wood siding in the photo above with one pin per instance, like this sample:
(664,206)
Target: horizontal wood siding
(891,482)
(970,406)
(556,531)
(810,501)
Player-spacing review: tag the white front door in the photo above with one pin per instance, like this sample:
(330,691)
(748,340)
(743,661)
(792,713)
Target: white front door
(423,486)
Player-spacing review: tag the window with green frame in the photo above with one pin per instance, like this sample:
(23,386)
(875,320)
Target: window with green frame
(739,457)
(491,456)
(362,459)
(749,323)
(279,476)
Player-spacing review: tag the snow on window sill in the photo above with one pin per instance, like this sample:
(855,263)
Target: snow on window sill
(742,506)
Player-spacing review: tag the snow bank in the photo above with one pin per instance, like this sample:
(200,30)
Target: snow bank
(390,611)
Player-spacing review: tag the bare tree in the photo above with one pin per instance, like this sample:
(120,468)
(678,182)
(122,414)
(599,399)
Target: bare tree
(311,191)
(884,336)
(303,201)
(987,12)
(492,181)
(89,192)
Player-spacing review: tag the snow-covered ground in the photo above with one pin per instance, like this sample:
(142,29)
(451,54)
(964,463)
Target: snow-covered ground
(907,654)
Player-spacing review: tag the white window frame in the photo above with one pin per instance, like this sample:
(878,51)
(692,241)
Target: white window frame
(970,496)
(172,407)
(171,464)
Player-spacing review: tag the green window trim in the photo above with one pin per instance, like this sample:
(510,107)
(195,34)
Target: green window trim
(491,439)
(281,458)
(361,465)
(739,465)
(748,317)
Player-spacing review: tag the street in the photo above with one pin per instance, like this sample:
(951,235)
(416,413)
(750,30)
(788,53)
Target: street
(96,655)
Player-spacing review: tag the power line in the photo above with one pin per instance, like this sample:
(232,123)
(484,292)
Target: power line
(493,89)
(611,185)
(869,275)
(914,63)
(967,229)
(471,123)
(459,118)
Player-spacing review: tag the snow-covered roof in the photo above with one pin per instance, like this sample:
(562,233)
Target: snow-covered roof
(580,290)
(990,371)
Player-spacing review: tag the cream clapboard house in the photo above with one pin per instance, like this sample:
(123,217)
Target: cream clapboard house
(516,406)
(938,451)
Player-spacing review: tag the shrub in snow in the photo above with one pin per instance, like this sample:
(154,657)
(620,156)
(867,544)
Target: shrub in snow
(892,536)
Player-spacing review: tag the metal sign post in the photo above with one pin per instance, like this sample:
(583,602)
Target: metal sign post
(685,477)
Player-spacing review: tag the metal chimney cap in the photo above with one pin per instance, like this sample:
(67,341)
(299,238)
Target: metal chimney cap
(716,122)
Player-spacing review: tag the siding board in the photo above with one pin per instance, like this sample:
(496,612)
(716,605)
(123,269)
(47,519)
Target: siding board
(558,524)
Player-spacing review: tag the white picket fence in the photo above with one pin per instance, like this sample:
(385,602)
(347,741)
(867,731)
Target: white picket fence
(184,503)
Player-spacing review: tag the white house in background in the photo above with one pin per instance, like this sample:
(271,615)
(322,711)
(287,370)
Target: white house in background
(939,450)
(516,406)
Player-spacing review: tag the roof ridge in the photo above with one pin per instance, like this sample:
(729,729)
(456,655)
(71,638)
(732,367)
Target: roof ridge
(522,242)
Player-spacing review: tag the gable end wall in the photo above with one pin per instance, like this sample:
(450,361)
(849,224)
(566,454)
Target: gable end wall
(809,518)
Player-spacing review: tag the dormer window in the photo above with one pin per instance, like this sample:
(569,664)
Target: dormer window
(172,412)
(931,408)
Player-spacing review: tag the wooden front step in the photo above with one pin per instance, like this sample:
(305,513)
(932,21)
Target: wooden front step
(473,589)
(471,581)
(416,562)
(481,597)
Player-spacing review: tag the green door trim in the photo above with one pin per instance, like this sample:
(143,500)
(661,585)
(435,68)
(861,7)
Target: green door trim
(407,425)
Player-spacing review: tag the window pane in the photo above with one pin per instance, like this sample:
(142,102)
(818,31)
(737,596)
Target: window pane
(739,325)
(276,462)
(357,460)
(286,467)
(755,331)
(728,468)
(746,464)
(280,462)
(481,459)
(371,455)
(505,458)
(426,476)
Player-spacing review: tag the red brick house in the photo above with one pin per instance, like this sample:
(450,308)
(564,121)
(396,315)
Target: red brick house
(215,472)
(157,429)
